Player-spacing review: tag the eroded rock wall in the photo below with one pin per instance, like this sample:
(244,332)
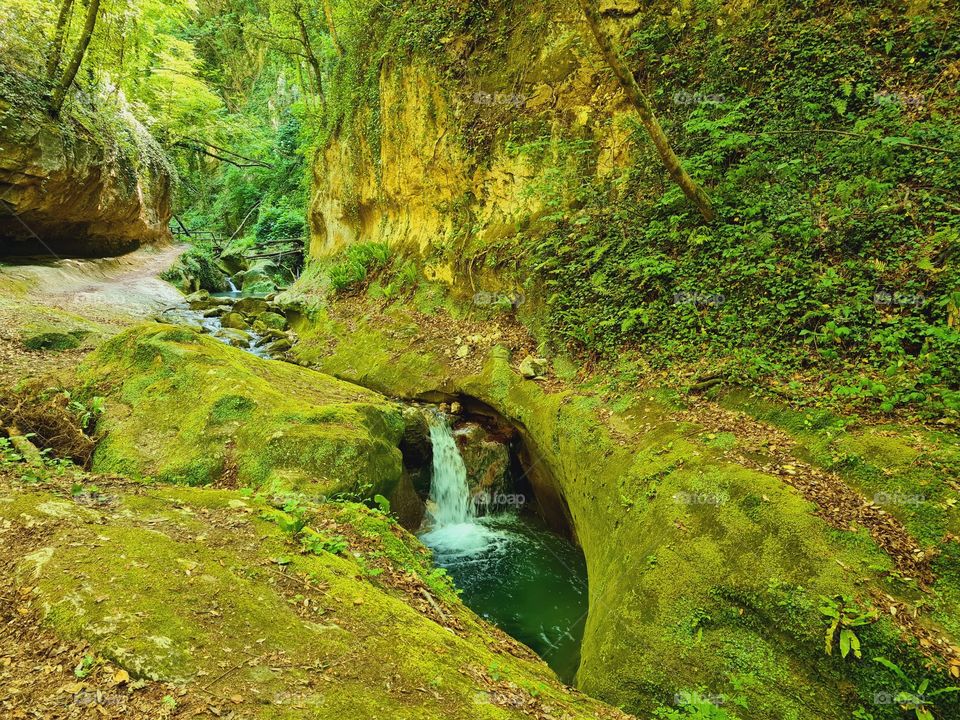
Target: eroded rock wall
(442,176)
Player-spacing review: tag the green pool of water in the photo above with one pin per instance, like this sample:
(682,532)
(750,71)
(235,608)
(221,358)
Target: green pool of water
(526,580)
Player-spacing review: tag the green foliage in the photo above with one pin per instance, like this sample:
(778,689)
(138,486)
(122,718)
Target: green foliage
(916,698)
(693,706)
(357,263)
(834,256)
(843,615)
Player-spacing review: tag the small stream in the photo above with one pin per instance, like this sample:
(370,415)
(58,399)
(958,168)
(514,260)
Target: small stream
(512,570)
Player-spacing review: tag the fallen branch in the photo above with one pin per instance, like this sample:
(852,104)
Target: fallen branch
(204,151)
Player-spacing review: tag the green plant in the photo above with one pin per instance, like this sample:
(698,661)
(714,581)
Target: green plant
(9,454)
(694,706)
(844,615)
(85,666)
(916,697)
(383,504)
(357,263)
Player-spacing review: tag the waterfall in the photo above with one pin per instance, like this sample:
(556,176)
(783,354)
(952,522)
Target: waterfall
(450,502)
(233,288)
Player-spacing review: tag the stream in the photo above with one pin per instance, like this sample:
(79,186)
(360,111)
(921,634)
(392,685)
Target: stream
(512,571)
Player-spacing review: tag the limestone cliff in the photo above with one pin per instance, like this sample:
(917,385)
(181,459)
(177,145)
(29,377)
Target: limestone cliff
(71,187)
(437,164)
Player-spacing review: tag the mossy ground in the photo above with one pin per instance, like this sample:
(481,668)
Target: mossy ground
(187,409)
(205,589)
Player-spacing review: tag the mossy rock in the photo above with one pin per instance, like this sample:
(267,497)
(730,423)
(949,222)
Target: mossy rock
(704,573)
(205,590)
(270,321)
(53,341)
(188,409)
(234,321)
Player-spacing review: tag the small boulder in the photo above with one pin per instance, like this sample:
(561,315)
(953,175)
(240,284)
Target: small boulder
(250,306)
(278,347)
(463,351)
(236,338)
(200,296)
(271,321)
(533,367)
(234,320)
(216,311)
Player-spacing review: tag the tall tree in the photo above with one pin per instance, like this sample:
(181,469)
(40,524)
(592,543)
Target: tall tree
(332,28)
(59,36)
(70,73)
(311,56)
(628,82)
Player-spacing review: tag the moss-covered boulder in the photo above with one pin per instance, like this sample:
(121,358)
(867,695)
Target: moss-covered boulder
(188,409)
(237,608)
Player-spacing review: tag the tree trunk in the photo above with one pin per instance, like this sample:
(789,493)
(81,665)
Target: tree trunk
(60,93)
(307,47)
(332,28)
(59,35)
(628,82)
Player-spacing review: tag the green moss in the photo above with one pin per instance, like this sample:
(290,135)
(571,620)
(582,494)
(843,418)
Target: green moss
(677,538)
(55,341)
(187,409)
(184,584)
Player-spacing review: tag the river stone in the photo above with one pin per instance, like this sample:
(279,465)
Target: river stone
(237,338)
(279,347)
(217,311)
(251,306)
(271,321)
(234,320)
(198,297)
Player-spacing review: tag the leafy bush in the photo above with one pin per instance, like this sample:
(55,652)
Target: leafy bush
(358,262)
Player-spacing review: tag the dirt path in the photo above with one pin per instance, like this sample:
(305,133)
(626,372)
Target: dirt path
(112,293)
(109,290)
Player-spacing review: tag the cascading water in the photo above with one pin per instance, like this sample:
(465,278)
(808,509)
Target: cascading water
(511,570)
(450,502)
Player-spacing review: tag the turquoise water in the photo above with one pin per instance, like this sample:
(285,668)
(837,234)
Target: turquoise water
(521,577)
